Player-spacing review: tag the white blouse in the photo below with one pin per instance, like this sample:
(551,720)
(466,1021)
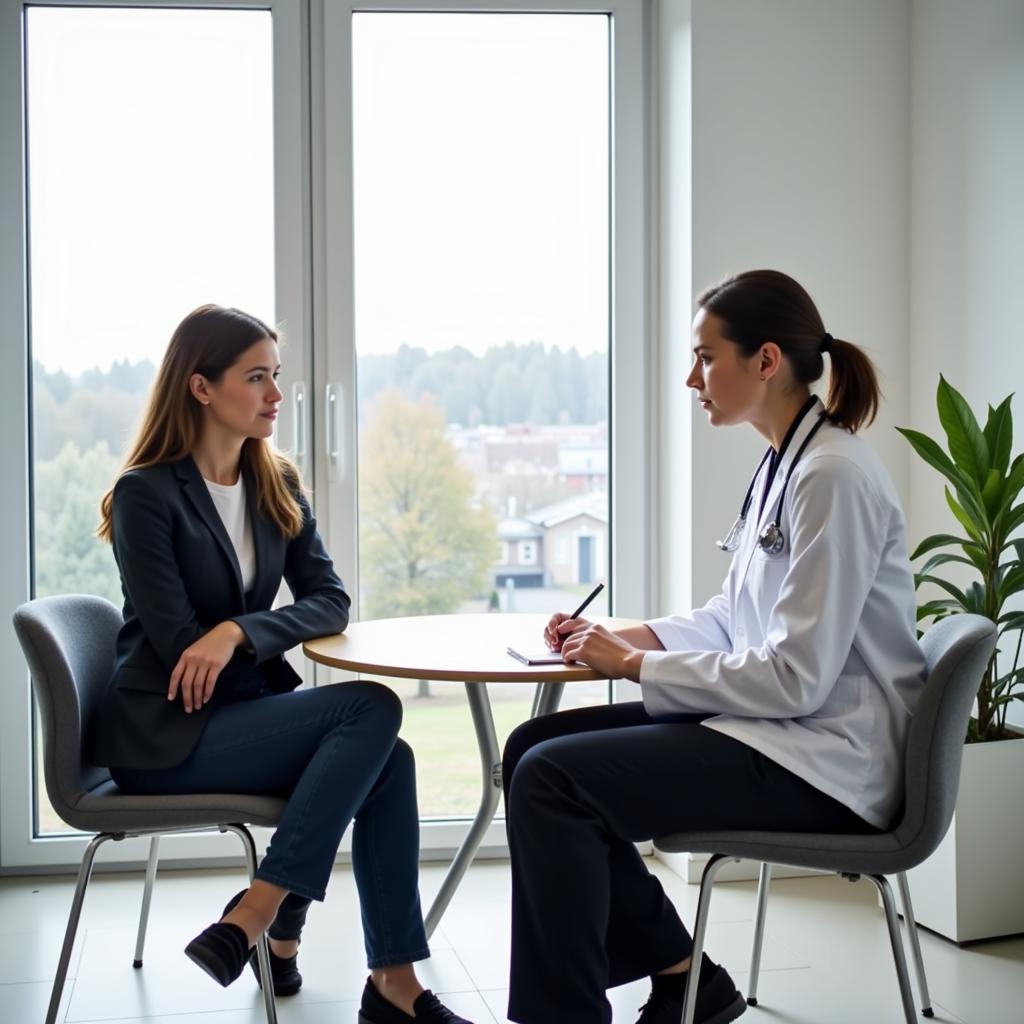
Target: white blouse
(231,506)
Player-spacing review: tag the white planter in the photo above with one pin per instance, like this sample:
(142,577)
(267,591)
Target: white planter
(970,887)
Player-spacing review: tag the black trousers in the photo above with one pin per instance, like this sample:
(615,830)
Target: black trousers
(581,787)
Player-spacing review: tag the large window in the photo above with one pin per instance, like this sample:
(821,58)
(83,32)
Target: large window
(150,155)
(443,212)
(481,154)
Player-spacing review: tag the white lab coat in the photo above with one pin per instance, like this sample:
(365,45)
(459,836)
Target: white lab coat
(809,656)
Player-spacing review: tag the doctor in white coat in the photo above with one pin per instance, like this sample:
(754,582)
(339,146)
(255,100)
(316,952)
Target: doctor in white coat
(782,704)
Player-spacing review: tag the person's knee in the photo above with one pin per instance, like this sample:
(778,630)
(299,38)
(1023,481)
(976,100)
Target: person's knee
(375,702)
(535,775)
(403,758)
(521,740)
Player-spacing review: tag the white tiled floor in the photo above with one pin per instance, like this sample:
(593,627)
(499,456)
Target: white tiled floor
(826,958)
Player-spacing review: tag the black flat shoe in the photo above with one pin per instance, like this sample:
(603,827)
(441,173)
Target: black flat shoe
(428,1009)
(221,950)
(284,970)
(718,1000)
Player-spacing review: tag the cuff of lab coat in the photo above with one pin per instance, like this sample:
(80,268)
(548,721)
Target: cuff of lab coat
(651,666)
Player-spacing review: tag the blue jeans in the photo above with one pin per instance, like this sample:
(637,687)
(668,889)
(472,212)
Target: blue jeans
(334,754)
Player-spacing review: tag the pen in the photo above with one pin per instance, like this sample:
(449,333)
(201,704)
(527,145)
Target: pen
(579,611)
(590,597)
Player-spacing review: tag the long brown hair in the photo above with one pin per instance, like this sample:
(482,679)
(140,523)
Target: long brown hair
(765,305)
(208,341)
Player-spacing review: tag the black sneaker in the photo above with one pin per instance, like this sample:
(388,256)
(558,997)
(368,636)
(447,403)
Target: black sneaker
(427,1009)
(718,1000)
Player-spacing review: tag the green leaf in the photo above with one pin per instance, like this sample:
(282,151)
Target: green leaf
(976,599)
(969,524)
(967,490)
(967,443)
(940,540)
(1012,583)
(955,592)
(943,559)
(1014,518)
(992,494)
(1010,621)
(1014,480)
(932,453)
(940,607)
(999,435)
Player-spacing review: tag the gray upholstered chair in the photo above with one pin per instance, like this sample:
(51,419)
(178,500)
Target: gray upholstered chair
(957,650)
(68,643)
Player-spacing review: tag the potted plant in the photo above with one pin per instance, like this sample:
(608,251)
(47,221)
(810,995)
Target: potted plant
(968,888)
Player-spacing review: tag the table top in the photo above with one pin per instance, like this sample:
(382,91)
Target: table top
(461,648)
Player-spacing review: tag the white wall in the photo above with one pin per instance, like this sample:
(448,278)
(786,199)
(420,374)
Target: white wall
(784,131)
(967,220)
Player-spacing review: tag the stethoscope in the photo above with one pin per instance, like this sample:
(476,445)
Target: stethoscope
(772,539)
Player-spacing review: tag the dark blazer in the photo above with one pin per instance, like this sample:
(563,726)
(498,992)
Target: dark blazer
(180,578)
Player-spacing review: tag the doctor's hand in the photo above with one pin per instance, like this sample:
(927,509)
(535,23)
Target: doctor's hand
(201,663)
(559,627)
(604,652)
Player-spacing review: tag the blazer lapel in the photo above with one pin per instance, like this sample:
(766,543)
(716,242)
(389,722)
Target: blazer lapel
(199,495)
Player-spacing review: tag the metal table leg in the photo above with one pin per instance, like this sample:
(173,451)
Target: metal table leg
(545,701)
(490,763)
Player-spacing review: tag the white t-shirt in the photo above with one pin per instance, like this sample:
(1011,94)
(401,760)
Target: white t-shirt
(230,503)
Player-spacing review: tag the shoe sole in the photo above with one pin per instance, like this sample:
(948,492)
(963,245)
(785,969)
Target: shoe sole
(735,1009)
(200,962)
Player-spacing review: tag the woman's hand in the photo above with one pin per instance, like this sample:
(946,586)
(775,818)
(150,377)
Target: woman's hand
(603,651)
(558,627)
(197,670)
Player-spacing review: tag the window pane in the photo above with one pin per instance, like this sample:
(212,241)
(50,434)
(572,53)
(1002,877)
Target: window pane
(150,193)
(481,168)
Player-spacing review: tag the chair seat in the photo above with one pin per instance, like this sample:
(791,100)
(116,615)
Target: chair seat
(108,809)
(853,854)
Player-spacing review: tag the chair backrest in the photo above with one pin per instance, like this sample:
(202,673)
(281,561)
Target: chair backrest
(957,650)
(68,642)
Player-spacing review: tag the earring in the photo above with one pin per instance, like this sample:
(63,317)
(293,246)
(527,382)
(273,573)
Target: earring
(761,377)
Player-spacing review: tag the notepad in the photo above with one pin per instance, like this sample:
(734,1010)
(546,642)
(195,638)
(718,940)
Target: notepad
(537,657)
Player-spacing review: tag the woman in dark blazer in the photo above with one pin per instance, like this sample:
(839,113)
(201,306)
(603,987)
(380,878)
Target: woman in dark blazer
(206,519)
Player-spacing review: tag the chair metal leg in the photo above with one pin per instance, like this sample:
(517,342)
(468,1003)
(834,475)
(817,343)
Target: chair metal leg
(490,763)
(896,940)
(713,866)
(915,944)
(262,949)
(763,885)
(84,874)
(147,896)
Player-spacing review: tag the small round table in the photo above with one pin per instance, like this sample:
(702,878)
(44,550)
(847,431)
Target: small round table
(470,649)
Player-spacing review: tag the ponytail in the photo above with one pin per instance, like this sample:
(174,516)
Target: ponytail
(853,392)
(765,305)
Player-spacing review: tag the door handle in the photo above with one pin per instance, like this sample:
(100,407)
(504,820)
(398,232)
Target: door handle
(299,421)
(333,420)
